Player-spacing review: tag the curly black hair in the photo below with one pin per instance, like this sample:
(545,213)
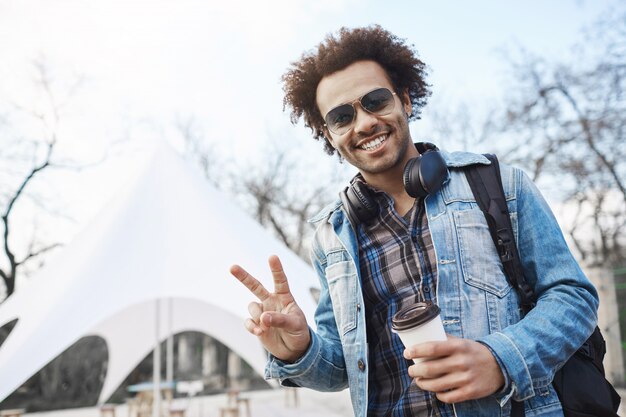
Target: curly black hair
(406,71)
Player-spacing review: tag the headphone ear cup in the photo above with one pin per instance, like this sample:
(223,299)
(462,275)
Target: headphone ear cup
(359,203)
(425,174)
(411,178)
(433,171)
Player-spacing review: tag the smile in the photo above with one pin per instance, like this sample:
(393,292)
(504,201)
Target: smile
(374,143)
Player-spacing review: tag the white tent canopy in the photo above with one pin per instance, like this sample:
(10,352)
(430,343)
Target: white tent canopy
(167,235)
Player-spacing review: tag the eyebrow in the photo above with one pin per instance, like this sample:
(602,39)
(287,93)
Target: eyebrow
(360,97)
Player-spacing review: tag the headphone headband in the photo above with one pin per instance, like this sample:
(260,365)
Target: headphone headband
(422,176)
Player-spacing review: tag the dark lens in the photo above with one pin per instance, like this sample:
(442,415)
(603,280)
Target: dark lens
(378,101)
(340,117)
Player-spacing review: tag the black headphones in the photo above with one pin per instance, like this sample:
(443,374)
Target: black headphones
(422,176)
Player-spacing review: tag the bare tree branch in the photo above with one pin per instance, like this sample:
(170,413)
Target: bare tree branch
(565,122)
(589,136)
(29,155)
(41,251)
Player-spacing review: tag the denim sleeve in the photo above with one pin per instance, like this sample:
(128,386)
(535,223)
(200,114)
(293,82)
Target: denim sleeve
(322,367)
(502,395)
(313,370)
(533,349)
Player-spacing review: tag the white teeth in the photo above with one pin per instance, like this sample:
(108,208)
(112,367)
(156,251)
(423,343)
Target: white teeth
(373,144)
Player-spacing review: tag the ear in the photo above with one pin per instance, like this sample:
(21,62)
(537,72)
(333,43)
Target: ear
(406,102)
(329,137)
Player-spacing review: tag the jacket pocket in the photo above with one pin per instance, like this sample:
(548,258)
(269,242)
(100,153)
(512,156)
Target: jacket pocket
(480,263)
(341,278)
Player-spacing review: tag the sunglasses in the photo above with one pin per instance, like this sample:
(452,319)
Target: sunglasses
(341,119)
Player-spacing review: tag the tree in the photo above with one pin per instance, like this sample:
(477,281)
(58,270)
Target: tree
(568,121)
(26,155)
(211,162)
(281,201)
(282,189)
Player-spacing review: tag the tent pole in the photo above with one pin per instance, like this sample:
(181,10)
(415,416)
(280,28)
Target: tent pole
(156,364)
(169,370)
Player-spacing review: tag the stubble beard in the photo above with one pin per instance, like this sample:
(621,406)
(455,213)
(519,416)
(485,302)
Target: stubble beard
(403,139)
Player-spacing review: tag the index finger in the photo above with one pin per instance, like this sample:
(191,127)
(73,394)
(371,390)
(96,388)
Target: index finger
(250,282)
(429,350)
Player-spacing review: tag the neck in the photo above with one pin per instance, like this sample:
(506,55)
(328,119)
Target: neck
(391,182)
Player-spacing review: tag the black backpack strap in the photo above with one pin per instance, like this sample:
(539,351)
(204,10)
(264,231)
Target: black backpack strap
(486,184)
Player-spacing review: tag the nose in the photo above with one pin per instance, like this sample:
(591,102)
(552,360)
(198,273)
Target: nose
(364,121)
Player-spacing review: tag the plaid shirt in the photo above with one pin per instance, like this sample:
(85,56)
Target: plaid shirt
(397,269)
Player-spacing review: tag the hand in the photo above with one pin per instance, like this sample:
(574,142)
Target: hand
(456,370)
(276,320)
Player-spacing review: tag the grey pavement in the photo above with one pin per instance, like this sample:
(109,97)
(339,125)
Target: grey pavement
(267,403)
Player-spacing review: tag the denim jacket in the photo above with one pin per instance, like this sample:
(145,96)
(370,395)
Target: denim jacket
(473,293)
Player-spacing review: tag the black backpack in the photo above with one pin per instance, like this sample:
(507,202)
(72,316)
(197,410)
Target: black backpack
(580,384)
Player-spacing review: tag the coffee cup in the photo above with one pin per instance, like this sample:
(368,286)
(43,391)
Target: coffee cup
(418,323)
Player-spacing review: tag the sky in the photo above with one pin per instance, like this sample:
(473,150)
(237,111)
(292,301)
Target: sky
(150,61)
(144,64)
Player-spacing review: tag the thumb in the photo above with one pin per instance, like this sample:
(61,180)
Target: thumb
(288,322)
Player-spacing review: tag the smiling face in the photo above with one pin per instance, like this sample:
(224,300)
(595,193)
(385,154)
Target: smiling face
(378,146)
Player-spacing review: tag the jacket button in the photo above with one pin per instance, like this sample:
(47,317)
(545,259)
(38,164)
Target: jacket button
(361,365)
(426,288)
(358,307)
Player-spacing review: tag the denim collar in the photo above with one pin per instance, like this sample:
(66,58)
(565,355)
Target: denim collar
(453,160)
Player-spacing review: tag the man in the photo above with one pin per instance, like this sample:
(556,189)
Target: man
(358,92)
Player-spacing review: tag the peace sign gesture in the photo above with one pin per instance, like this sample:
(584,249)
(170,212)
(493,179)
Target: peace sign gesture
(277,320)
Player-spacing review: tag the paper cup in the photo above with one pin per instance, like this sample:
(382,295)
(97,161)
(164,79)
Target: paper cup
(418,323)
